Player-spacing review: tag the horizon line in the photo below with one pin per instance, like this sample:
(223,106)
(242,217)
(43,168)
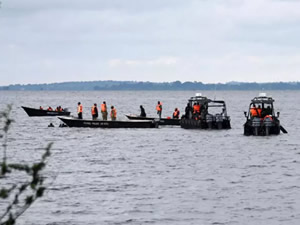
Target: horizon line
(158,82)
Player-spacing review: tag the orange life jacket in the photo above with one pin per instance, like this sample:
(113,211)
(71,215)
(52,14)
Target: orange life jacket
(50,109)
(113,113)
(93,110)
(259,111)
(255,112)
(176,113)
(103,108)
(268,116)
(159,107)
(196,108)
(79,109)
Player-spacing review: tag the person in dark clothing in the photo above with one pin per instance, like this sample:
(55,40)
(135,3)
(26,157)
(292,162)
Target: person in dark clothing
(143,113)
(188,111)
(266,111)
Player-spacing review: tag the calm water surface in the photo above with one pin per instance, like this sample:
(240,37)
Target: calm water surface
(159,176)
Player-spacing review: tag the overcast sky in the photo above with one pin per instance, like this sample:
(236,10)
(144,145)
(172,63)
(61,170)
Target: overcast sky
(211,41)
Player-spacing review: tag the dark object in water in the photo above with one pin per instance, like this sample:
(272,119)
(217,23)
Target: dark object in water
(74,122)
(51,125)
(206,117)
(162,121)
(283,130)
(62,125)
(265,122)
(43,112)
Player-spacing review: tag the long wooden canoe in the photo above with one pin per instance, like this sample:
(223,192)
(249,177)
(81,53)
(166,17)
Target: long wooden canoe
(74,122)
(162,121)
(42,112)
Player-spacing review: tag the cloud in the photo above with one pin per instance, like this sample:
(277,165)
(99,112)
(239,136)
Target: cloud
(207,40)
(163,61)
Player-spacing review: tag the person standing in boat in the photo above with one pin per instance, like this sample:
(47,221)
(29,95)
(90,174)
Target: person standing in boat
(188,111)
(79,110)
(41,108)
(94,111)
(143,113)
(50,108)
(159,109)
(176,114)
(104,111)
(113,113)
(196,111)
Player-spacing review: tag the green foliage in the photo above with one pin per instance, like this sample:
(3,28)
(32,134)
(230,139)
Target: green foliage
(20,195)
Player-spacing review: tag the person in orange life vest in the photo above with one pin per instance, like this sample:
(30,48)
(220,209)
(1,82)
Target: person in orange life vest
(104,111)
(94,111)
(176,114)
(79,110)
(113,113)
(41,108)
(255,112)
(159,109)
(259,111)
(49,108)
(196,110)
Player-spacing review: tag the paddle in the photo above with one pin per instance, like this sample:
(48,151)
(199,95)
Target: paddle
(283,130)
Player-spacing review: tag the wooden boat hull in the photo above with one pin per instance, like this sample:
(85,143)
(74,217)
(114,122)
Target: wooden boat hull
(162,121)
(200,124)
(40,112)
(74,122)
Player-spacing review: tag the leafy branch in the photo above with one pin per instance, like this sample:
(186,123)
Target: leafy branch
(20,195)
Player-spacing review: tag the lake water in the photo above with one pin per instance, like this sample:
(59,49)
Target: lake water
(159,176)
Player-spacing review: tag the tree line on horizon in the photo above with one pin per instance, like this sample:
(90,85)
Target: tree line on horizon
(135,85)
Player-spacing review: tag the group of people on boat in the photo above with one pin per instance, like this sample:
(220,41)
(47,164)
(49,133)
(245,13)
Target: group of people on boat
(58,109)
(94,111)
(194,112)
(159,108)
(259,112)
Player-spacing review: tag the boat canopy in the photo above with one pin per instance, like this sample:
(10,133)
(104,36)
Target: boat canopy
(267,100)
(199,99)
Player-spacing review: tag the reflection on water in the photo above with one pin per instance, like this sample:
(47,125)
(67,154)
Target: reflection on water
(160,176)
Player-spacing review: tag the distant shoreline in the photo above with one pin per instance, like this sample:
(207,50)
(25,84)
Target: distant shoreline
(152,86)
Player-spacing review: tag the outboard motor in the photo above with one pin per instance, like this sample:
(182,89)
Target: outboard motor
(268,123)
(209,120)
(219,121)
(256,125)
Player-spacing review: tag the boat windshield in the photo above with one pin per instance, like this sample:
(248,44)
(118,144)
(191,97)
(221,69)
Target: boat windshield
(217,108)
(266,108)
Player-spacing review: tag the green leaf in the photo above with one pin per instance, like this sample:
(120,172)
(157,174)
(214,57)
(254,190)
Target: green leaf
(40,192)
(4,193)
(29,200)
